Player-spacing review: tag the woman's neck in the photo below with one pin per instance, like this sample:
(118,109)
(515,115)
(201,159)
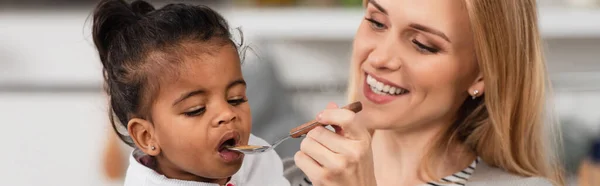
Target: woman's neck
(398,156)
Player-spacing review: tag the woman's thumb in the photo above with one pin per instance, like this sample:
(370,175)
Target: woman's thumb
(331,105)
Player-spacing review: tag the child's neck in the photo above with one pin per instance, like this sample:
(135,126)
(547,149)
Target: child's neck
(181,175)
(168,170)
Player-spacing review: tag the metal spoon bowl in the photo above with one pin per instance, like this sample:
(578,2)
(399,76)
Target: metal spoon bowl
(253,150)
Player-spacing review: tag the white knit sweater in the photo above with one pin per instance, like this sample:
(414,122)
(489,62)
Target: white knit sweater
(264,169)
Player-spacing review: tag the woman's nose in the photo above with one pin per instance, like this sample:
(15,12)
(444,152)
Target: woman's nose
(385,56)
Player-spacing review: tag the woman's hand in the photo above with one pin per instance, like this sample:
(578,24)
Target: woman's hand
(344,159)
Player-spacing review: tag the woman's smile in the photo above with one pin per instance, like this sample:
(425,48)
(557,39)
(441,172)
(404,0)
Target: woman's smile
(382,91)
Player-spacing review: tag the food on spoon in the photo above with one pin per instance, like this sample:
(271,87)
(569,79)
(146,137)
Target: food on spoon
(246,147)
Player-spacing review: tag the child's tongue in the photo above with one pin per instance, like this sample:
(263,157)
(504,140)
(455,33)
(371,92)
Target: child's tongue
(229,155)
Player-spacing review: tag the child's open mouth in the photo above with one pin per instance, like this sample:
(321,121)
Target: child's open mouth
(229,139)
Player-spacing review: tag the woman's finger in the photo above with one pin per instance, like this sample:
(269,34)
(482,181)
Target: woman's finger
(318,152)
(329,140)
(309,166)
(344,119)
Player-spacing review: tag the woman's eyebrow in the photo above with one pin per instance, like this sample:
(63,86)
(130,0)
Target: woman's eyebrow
(430,30)
(378,6)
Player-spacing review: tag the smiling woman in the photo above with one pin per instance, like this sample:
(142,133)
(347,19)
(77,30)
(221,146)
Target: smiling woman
(453,94)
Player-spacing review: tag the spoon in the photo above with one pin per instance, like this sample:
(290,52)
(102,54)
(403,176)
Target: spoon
(297,132)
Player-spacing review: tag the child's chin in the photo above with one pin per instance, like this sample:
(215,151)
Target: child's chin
(228,170)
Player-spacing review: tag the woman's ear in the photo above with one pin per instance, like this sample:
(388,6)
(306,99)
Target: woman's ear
(477,88)
(142,134)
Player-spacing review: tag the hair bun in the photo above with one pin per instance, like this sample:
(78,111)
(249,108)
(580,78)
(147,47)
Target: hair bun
(141,8)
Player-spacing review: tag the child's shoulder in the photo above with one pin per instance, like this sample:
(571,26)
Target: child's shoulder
(265,169)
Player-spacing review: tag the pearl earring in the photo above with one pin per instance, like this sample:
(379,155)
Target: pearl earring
(475,92)
(152,148)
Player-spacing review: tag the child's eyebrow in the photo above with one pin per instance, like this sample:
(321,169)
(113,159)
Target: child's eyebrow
(202,91)
(236,82)
(190,94)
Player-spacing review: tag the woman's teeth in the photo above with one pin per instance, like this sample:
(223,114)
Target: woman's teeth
(383,89)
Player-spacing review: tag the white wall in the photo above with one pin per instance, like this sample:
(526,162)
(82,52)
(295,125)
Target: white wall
(52,139)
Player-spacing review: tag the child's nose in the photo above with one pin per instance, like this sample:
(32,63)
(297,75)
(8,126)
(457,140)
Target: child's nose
(226,115)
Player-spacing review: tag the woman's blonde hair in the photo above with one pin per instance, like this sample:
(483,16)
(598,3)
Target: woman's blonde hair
(506,127)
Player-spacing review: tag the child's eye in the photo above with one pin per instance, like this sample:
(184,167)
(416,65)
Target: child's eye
(236,102)
(196,111)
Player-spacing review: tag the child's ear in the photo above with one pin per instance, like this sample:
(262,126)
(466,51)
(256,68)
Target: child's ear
(142,134)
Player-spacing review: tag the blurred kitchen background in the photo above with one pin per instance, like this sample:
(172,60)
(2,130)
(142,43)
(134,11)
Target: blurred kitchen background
(53,111)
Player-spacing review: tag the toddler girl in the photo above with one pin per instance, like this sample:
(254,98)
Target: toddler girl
(174,80)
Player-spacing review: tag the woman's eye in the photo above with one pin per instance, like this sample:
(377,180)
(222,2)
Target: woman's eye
(424,48)
(236,102)
(195,112)
(376,25)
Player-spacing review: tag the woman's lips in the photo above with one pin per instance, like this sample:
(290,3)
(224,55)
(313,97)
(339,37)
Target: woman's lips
(376,98)
(383,81)
(374,90)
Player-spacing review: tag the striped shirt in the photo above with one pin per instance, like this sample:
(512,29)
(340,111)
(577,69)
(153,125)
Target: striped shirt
(459,178)
(298,178)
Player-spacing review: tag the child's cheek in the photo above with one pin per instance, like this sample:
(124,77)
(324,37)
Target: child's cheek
(245,120)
